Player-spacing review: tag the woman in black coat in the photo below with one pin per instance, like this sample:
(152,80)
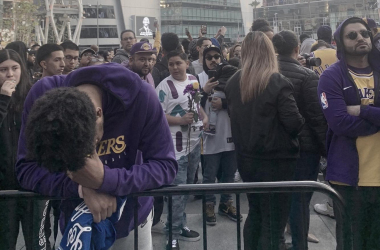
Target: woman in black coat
(14,86)
(313,135)
(265,124)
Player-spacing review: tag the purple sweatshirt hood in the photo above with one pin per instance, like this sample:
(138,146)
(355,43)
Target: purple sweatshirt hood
(133,122)
(113,77)
(337,90)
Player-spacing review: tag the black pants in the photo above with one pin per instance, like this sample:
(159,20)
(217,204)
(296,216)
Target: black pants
(30,214)
(299,218)
(268,213)
(363,209)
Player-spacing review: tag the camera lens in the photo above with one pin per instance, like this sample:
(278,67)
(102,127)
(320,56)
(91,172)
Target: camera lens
(315,62)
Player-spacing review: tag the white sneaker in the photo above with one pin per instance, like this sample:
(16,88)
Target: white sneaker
(237,177)
(159,228)
(173,246)
(324,209)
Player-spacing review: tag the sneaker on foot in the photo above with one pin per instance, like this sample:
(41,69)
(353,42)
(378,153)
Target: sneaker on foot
(237,177)
(312,238)
(324,209)
(173,246)
(226,209)
(189,235)
(159,228)
(210,214)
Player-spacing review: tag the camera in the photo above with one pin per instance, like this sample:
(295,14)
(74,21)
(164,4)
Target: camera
(312,61)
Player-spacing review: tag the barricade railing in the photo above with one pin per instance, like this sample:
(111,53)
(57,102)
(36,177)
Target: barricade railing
(221,188)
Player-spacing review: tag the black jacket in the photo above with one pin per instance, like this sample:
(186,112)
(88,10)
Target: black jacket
(10,125)
(313,135)
(161,71)
(267,127)
(224,72)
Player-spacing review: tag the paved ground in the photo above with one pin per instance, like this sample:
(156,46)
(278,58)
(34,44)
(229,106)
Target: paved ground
(223,236)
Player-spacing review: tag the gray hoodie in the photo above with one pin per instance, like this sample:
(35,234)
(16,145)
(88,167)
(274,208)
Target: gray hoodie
(121,56)
(306,46)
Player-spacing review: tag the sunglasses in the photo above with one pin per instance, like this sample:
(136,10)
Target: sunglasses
(209,58)
(353,34)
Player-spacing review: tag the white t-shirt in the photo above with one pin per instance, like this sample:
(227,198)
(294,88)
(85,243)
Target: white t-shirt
(222,140)
(175,103)
(198,66)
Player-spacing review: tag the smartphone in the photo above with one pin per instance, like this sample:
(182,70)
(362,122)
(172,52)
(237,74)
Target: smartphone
(204,29)
(186,30)
(211,73)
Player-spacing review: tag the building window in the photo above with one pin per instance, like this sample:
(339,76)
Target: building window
(104,12)
(104,32)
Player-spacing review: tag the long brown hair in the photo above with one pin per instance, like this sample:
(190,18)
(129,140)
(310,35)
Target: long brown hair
(24,85)
(232,50)
(259,63)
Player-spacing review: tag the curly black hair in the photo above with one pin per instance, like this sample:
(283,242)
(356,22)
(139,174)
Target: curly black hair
(60,130)
(261,25)
(285,42)
(169,41)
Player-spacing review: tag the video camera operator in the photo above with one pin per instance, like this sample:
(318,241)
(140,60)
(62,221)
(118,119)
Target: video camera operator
(322,56)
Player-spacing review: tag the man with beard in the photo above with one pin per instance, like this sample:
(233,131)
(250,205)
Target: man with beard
(141,61)
(218,146)
(348,92)
(71,52)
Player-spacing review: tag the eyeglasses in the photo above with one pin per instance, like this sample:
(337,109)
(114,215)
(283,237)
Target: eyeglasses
(216,56)
(353,34)
(70,58)
(96,59)
(89,54)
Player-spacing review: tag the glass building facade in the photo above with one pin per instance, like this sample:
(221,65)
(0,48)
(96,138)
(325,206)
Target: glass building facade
(177,15)
(306,16)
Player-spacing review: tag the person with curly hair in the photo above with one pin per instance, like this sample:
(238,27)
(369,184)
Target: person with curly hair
(120,145)
(60,130)
(263,26)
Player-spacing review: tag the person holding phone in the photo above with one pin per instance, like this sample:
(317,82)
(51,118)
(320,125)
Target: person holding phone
(218,147)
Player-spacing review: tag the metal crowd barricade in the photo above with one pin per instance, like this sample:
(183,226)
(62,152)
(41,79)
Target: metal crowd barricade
(237,189)
(221,188)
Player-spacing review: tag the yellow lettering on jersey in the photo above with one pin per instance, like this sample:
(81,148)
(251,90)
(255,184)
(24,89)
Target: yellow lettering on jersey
(121,145)
(101,148)
(112,145)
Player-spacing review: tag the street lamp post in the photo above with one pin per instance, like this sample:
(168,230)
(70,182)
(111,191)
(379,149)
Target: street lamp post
(275,23)
(97,23)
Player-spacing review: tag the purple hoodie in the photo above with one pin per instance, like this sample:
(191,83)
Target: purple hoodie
(337,90)
(133,120)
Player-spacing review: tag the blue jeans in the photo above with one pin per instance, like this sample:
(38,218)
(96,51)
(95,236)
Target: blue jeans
(187,165)
(299,218)
(226,161)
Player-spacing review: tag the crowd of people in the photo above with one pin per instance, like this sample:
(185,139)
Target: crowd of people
(100,125)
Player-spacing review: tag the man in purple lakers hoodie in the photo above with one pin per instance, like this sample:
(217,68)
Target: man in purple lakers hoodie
(349,92)
(129,119)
